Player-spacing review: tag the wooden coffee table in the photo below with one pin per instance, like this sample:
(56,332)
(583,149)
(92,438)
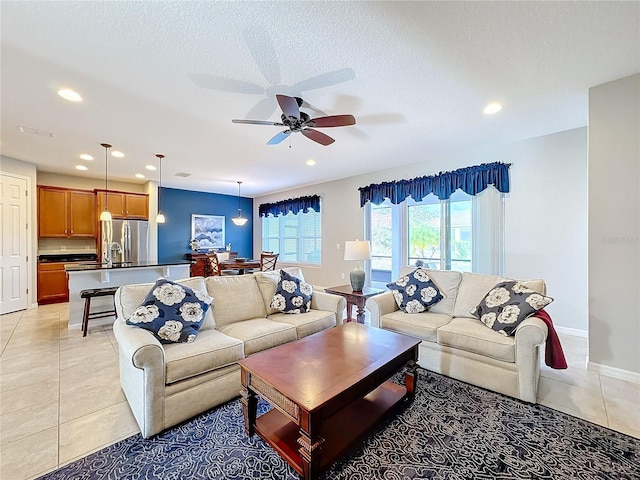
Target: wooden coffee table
(327,390)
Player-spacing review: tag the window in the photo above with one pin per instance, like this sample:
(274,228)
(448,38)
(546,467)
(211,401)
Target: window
(297,238)
(462,233)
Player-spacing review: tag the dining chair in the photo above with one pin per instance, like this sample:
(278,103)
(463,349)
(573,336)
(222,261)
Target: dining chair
(214,264)
(268,261)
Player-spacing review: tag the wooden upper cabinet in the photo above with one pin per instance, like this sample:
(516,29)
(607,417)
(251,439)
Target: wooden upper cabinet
(137,206)
(123,204)
(66,213)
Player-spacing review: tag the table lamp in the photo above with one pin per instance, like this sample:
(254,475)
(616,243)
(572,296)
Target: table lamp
(357,250)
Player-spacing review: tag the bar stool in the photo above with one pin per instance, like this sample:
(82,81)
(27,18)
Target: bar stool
(92,293)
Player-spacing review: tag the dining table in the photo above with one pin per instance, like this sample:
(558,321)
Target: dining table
(242,265)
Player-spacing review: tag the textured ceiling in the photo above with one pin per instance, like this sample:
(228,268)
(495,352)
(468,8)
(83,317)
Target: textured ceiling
(168,77)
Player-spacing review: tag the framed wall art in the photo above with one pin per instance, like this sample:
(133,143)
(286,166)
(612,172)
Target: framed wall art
(208,230)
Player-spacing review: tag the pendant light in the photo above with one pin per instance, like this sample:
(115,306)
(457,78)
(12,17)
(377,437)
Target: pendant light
(160,217)
(239,220)
(105,216)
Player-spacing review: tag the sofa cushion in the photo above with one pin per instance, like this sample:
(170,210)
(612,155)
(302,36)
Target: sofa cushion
(415,292)
(471,335)
(292,295)
(235,298)
(131,296)
(211,350)
(171,311)
(260,334)
(311,322)
(507,305)
(448,282)
(421,325)
(268,282)
(473,288)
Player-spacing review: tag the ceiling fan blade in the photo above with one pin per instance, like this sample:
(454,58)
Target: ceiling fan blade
(289,106)
(317,136)
(279,137)
(332,121)
(258,122)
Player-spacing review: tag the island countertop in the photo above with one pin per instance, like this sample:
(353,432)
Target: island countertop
(101,275)
(93,266)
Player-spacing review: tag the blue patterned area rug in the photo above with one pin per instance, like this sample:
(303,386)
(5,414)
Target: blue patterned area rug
(452,430)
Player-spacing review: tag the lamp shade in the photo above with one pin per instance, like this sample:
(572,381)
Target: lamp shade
(357,250)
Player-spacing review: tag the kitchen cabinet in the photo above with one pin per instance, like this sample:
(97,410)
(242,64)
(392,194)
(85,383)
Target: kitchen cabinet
(66,213)
(123,204)
(52,283)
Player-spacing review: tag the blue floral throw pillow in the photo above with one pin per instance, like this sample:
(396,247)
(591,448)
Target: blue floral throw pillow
(415,292)
(292,295)
(507,305)
(172,312)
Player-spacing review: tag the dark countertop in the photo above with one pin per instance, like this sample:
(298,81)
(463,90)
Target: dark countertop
(78,267)
(68,257)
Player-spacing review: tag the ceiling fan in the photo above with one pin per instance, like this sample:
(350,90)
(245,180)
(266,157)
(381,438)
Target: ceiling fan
(297,121)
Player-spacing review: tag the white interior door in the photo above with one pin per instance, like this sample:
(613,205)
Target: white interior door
(13,243)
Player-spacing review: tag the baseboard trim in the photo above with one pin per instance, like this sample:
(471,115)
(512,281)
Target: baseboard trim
(614,372)
(572,331)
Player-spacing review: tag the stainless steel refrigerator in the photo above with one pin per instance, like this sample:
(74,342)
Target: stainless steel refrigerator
(131,237)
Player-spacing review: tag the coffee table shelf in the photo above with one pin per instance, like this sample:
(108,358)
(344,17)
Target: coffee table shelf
(340,431)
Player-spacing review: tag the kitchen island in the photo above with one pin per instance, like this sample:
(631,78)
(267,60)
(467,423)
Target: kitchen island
(101,275)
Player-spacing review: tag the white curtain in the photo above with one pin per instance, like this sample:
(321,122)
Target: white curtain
(488,232)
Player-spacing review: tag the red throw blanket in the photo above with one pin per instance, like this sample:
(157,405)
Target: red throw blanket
(553,354)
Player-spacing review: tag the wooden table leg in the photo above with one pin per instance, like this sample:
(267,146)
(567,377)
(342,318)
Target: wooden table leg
(249,402)
(411,378)
(310,447)
(360,312)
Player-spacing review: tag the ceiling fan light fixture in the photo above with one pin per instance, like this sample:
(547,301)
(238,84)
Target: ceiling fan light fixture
(239,220)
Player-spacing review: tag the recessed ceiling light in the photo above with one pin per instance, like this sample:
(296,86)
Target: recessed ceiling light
(86,156)
(493,107)
(117,153)
(151,167)
(139,175)
(81,167)
(311,162)
(70,95)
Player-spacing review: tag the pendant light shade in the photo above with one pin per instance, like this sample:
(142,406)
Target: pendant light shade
(239,220)
(105,215)
(160,216)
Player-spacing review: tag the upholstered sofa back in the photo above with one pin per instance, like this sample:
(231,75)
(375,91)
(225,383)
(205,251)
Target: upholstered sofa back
(463,291)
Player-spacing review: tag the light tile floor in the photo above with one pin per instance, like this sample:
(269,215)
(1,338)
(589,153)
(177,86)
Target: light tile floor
(60,397)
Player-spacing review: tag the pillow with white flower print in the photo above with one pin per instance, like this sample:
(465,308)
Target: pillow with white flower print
(507,305)
(292,295)
(415,292)
(172,312)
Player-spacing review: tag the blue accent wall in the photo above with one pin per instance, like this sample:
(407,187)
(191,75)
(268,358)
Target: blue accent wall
(178,205)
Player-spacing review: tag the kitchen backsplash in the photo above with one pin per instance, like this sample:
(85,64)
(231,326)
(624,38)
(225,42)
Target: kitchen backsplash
(50,246)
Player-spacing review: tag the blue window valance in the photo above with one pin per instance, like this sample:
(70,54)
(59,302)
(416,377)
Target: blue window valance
(293,205)
(471,180)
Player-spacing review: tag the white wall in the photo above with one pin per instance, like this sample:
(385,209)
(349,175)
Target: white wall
(546,238)
(614,225)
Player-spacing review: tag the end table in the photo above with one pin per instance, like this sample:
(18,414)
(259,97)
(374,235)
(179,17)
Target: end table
(354,298)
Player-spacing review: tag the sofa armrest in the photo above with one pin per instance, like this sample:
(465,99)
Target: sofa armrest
(142,375)
(331,303)
(530,334)
(381,305)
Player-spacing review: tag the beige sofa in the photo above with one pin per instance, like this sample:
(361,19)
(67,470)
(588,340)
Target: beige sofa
(166,384)
(456,344)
